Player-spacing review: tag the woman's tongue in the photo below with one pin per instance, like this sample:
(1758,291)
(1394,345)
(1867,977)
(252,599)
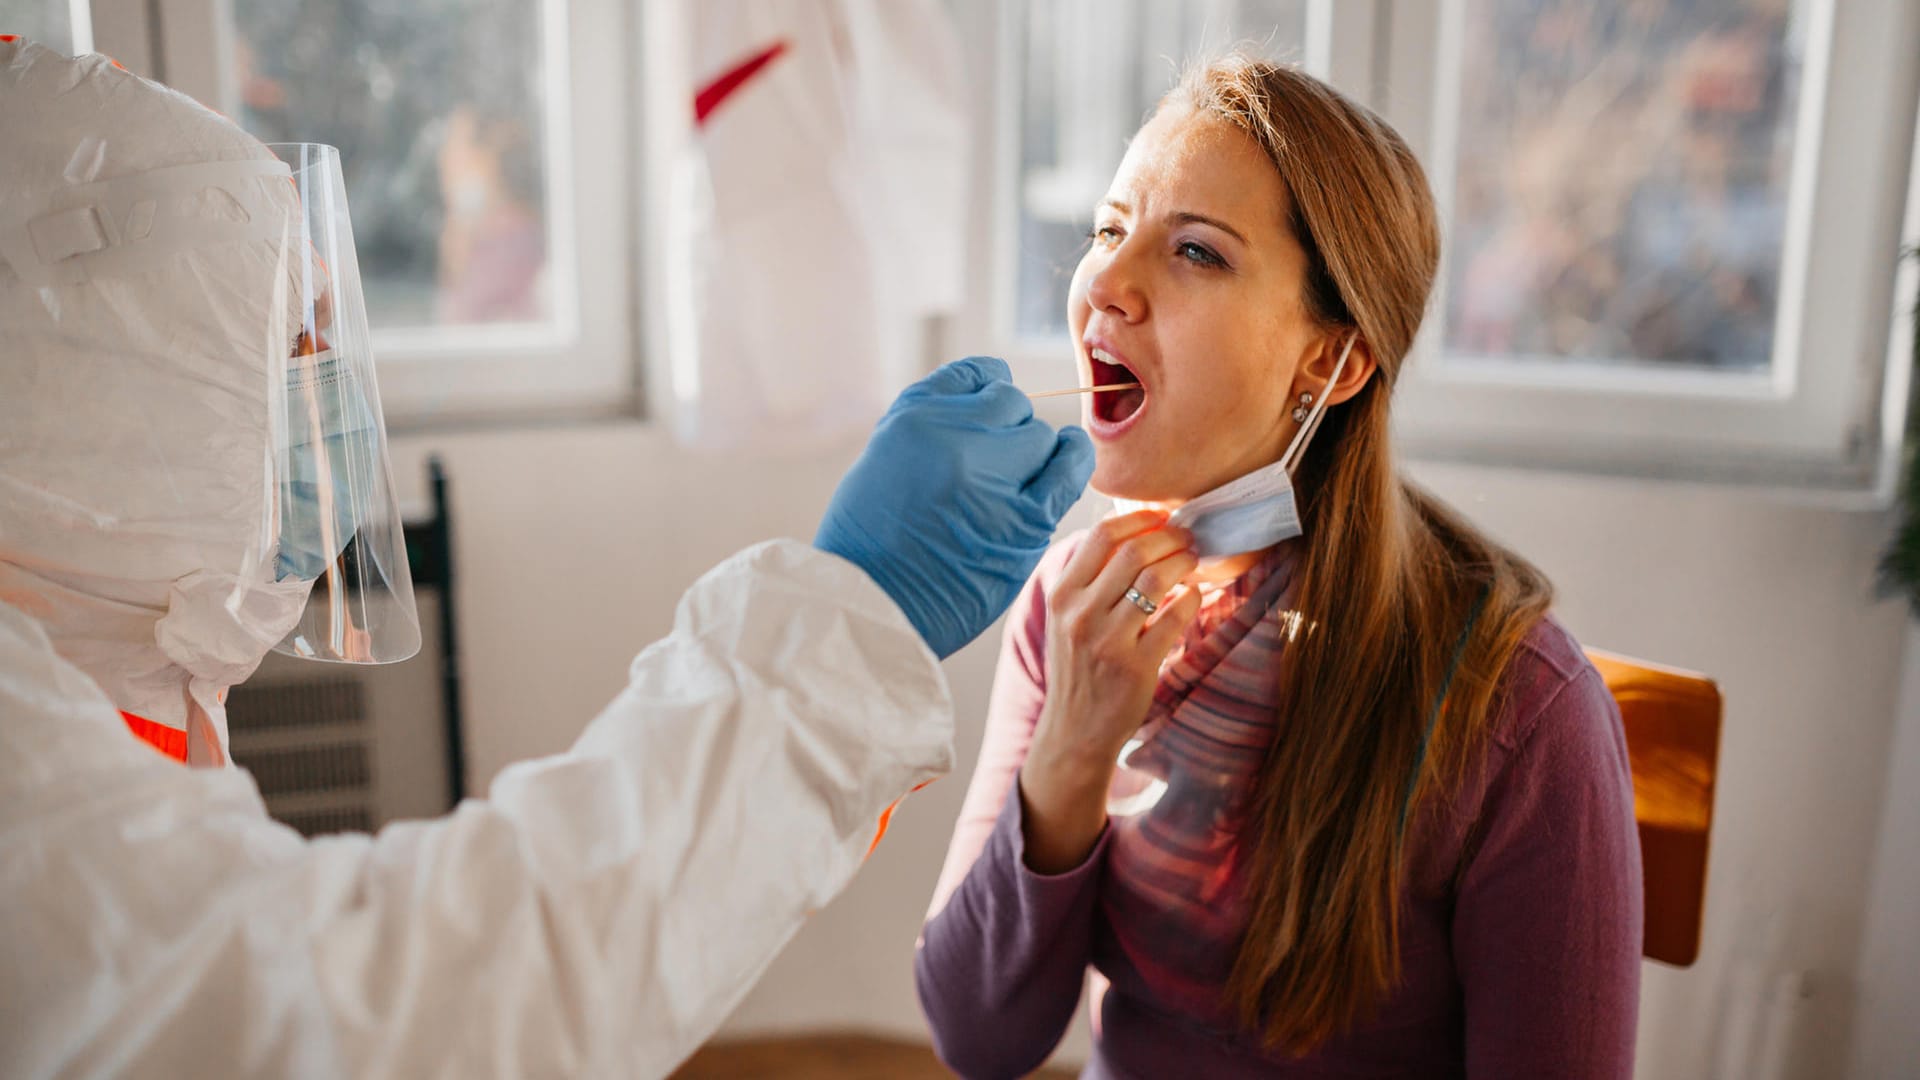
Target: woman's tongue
(1114,406)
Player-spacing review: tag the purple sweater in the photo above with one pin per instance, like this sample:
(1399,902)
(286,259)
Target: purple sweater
(1520,925)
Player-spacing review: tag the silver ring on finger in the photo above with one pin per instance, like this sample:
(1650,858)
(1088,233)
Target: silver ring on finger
(1139,599)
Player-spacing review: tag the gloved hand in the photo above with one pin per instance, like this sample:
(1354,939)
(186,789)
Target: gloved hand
(955,499)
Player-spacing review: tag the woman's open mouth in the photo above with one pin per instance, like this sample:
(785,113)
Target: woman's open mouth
(1114,409)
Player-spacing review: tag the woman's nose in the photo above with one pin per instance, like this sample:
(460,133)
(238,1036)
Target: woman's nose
(1115,286)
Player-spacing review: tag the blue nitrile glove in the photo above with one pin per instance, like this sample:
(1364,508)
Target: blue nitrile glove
(955,499)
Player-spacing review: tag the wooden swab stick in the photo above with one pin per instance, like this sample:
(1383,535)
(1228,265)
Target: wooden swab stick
(1085,390)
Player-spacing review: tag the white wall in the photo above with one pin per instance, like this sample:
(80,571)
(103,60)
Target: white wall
(574,543)
(1886,1038)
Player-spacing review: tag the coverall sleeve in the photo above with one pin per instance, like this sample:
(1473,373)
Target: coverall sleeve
(598,914)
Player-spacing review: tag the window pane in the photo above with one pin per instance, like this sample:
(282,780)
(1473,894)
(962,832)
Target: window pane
(1619,180)
(438,108)
(49,22)
(1093,70)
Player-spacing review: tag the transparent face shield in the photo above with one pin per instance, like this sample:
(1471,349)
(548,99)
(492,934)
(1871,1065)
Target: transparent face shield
(196,308)
(336,521)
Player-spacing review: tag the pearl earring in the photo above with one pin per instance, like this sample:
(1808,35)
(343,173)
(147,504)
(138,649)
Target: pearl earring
(1301,411)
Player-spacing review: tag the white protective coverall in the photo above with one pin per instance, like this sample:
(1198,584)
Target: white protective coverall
(598,914)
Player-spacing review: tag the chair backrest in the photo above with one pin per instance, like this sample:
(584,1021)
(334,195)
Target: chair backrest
(1672,719)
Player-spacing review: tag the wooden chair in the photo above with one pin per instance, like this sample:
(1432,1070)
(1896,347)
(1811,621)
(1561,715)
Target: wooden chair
(1672,721)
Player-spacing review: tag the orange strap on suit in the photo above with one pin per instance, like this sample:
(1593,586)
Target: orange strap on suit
(169,741)
(886,818)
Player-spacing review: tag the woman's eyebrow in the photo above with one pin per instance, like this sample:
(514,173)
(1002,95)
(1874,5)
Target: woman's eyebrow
(1181,217)
(1185,217)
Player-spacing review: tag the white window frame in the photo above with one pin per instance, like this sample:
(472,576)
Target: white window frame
(1825,425)
(79,27)
(579,364)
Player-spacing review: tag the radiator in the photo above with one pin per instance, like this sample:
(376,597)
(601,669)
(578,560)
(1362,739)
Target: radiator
(340,748)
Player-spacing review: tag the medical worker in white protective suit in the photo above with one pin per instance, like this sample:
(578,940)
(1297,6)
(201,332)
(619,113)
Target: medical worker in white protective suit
(189,447)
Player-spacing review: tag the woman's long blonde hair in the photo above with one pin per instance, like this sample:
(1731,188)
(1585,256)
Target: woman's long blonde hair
(1390,580)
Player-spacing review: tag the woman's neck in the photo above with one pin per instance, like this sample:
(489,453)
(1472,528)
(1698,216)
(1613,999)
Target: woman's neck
(1227,568)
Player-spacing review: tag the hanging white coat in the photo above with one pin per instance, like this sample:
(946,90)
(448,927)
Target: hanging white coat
(818,214)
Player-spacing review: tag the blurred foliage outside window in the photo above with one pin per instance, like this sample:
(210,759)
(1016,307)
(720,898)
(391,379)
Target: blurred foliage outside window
(1620,180)
(437,107)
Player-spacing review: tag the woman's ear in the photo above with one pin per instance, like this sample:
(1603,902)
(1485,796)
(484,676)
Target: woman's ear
(1354,373)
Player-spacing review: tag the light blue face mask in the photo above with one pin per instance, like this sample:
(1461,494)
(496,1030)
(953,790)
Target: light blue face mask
(1258,510)
(330,463)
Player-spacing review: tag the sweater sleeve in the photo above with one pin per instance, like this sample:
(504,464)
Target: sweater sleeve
(1004,953)
(1547,931)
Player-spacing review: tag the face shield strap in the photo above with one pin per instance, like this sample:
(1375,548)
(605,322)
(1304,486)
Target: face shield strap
(138,223)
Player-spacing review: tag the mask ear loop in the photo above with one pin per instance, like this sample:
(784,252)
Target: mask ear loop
(1298,447)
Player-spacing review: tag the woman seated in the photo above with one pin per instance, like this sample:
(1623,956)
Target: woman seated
(1317,794)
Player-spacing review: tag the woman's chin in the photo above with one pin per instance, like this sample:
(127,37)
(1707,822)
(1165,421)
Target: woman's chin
(1116,481)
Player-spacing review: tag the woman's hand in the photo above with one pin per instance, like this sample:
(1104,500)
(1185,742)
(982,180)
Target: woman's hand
(1104,652)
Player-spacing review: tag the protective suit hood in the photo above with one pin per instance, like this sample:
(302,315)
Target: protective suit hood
(136,495)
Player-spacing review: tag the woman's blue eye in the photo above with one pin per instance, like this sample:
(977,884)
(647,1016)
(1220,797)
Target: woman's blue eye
(1103,234)
(1196,253)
